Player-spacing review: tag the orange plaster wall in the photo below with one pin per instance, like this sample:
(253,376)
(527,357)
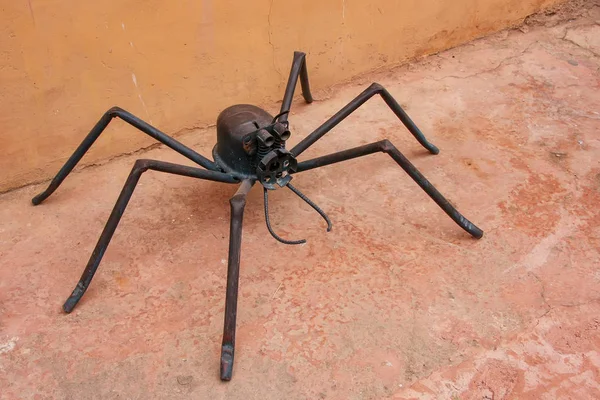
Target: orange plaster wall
(176,64)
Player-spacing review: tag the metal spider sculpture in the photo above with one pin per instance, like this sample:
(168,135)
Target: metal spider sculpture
(250,147)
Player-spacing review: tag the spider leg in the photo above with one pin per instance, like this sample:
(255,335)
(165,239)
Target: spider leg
(387,147)
(140,167)
(371,91)
(298,70)
(99,128)
(238,202)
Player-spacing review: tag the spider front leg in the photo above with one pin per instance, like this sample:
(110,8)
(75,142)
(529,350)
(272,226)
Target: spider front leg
(238,202)
(138,169)
(298,70)
(99,128)
(371,91)
(386,146)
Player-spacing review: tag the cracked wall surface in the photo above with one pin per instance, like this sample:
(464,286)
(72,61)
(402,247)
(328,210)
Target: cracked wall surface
(178,64)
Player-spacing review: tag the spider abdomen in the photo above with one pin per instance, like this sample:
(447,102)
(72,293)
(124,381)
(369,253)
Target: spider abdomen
(237,145)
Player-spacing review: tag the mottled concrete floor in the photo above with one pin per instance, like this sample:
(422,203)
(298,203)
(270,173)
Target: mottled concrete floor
(396,302)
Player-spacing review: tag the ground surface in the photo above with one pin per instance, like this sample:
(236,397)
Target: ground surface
(396,302)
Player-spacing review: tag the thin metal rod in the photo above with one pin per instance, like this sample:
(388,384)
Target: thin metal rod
(298,70)
(268,221)
(237,202)
(371,91)
(386,146)
(339,156)
(111,225)
(99,128)
(313,205)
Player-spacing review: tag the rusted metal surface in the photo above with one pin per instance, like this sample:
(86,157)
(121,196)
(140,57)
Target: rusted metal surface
(250,148)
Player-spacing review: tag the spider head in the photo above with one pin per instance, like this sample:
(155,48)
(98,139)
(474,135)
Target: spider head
(275,163)
(275,168)
(251,144)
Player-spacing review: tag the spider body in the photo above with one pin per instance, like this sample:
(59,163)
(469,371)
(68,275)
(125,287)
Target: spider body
(250,147)
(251,144)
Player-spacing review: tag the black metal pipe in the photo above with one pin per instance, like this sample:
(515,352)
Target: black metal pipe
(115,216)
(339,156)
(298,70)
(304,78)
(372,90)
(99,128)
(387,147)
(237,202)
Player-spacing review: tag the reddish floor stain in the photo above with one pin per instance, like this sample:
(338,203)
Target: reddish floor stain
(532,205)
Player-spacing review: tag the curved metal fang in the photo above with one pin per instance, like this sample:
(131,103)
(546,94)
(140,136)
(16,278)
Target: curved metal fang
(278,238)
(313,205)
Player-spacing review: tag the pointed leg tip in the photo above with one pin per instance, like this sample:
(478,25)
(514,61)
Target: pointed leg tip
(69,306)
(226,363)
(475,232)
(37,200)
(433,149)
(226,375)
(71,303)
